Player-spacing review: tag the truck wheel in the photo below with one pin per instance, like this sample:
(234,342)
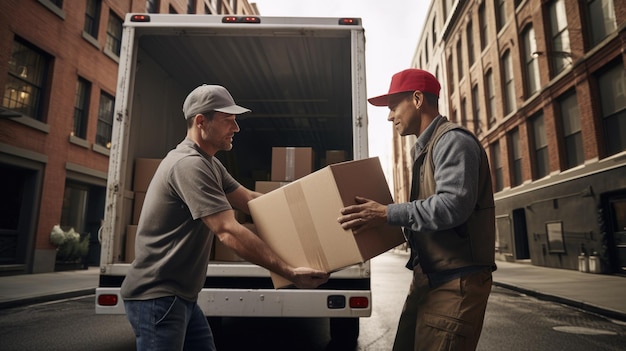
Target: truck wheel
(344,329)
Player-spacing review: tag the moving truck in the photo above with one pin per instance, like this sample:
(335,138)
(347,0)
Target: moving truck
(304,80)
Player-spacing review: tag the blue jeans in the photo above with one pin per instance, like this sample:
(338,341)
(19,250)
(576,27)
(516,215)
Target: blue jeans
(169,323)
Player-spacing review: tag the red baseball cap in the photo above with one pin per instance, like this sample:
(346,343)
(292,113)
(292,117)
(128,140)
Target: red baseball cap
(408,80)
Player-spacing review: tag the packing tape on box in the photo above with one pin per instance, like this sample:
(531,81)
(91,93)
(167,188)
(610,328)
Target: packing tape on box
(305,227)
(290,163)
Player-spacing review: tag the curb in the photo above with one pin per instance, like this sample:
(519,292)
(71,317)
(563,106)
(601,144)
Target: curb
(609,313)
(46,298)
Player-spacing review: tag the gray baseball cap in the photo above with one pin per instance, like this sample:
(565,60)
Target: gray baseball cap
(207,98)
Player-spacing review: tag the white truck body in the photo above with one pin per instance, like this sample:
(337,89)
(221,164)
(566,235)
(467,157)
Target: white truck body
(303,79)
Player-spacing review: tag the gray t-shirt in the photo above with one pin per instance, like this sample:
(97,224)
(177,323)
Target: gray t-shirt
(173,244)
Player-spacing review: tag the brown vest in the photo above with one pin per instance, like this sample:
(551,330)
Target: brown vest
(471,243)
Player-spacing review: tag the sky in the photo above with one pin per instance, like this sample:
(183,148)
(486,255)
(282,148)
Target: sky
(392,29)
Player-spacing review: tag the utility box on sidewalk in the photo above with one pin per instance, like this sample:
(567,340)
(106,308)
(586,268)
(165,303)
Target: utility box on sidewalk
(583,263)
(595,264)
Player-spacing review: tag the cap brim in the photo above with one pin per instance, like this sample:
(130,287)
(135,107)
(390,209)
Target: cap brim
(233,110)
(382,100)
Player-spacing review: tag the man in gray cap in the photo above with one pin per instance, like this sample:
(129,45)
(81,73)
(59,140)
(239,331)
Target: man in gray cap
(191,198)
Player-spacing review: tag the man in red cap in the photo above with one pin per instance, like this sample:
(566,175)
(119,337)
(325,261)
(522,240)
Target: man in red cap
(449,222)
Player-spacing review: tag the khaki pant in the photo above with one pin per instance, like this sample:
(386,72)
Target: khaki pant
(447,317)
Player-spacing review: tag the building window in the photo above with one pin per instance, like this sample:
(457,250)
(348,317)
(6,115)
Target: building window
(152,6)
(516,157)
(81,108)
(434,30)
(532,68)
(509,86)
(500,6)
(476,110)
(105,121)
(559,33)
(92,18)
(496,162)
(463,112)
(24,88)
(459,58)
(601,19)
(572,138)
(58,3)
(114,34)
(612,90)
(191,6)
(542,162)
(491,99)
(75,200)
(426,51)
(482,23)
(470,43)
(451,80)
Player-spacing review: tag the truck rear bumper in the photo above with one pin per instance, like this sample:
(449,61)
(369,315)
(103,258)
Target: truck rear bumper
(263,302)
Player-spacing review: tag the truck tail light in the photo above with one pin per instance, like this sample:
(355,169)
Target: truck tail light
(107,300)
(359,302)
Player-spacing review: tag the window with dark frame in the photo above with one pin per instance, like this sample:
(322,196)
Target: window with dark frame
(105,120)
(114,34)
(459,58)
(572,136)
(482,23)
(516,157)
(92,17)
(500,6)
(540,142)
(496,162)
(509,85)
(532,67)
(81,108)
(490,93)
(476,110)
(470,43)
(601,19)
(559,37)
(612,95)
(25,86)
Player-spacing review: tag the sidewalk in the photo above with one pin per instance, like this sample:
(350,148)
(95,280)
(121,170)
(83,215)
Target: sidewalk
(599,293)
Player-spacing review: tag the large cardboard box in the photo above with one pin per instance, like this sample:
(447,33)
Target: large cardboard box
(144,171)
(140,196)
(291,163)
(299,220)
(131,235)
(267,186)
(335,156)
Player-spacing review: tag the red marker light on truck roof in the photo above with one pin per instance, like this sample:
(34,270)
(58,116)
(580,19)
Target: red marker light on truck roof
(140,18)
(241,19)
(349,21)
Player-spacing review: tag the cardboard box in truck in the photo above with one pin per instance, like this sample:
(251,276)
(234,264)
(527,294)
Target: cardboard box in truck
(299,220)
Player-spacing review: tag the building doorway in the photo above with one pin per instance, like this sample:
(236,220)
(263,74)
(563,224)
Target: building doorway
(616,233)
(521,250)
(19,189)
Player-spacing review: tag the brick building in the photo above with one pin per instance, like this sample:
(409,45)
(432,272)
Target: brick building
(58,73)
(542,83)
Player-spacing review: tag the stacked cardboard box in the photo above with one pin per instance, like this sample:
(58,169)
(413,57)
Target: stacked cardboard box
(143,172)
(291,163)
(299,220)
